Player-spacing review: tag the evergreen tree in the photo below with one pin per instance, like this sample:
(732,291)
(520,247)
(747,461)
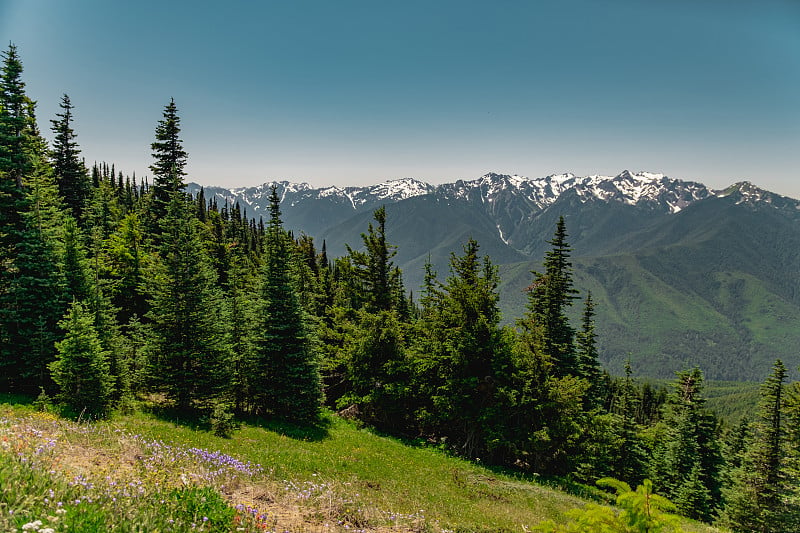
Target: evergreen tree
(758,495)
(242,308)
(17,126)
(687,459)
(629,459)
(16,162)
(376,370)
(588,363)
(548,298)
(640,511)
(127,260)
(81,367)
(32,300)
(170,160)
(373,351)
(75,262)
(189,348)
(463,360)
(105,320)
(287,382)
(70,172)
(374,271)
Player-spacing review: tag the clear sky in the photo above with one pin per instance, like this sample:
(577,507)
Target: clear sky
(355,92)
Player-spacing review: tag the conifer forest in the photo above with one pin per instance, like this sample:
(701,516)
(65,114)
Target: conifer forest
(115,289)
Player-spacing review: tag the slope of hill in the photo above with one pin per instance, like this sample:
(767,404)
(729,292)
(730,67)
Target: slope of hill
(682,274)
(141,473)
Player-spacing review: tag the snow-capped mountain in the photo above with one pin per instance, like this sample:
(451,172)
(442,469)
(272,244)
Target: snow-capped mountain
(690,262)
(510,201)
(644,189)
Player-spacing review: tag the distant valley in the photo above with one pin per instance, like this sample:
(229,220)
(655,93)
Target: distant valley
(683,275)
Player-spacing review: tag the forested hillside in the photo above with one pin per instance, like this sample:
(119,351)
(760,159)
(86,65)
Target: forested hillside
(722,262)
(116,291)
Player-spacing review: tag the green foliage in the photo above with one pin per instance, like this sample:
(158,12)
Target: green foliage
(641,511)
(18,132)
(71,174)
(549,296)
(126,261)
(587,356)
(33,299)
(81,369)
(188,347)
(222,420)
(686,460)
(462,362)
(376,369)
(169,160)
(759,497)
(285,378)
(375,277)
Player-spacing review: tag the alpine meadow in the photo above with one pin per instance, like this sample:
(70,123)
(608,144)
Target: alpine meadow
(560,354)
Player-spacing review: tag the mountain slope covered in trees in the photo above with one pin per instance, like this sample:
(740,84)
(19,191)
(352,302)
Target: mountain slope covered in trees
(723,263)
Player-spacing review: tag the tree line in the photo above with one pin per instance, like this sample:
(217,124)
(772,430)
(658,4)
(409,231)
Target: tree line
(114,290)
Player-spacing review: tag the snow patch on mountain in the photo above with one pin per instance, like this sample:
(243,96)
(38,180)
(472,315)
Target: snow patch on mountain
(495,191)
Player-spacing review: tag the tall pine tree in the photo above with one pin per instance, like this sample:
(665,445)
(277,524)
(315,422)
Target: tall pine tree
(549,296)
(170,160)
(31,281)
(687,459)
(70,172)
(463,361)
(189,348)
(757,497)
(285,367)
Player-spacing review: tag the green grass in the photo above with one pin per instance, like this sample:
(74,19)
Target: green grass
(340,478)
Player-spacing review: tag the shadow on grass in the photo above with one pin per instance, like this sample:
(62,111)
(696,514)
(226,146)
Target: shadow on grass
(309,433)
(199,420)
(560,483)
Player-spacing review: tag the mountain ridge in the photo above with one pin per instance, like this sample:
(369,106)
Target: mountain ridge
(683,275)
(529,196)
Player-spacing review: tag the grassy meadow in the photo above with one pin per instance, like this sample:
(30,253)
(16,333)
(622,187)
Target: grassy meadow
(148,472)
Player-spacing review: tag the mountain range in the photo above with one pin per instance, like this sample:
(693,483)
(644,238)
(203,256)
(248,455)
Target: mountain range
(682,275)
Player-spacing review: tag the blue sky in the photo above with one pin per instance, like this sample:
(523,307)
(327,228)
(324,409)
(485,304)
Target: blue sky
(356,92)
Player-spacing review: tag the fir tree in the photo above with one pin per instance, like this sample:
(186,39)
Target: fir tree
(758,495)
(17,125)
(33,299)
(375,273)
(548,298)
(189,349)
(463,362)
(287,382)
(629,459)
(81,368)
(170,160)
(687,459)
(126,260)
(242,316)
(71,175)
(588,364)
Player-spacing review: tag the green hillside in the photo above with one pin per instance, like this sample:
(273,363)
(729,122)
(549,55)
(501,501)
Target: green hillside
(274,478)
(714,286)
